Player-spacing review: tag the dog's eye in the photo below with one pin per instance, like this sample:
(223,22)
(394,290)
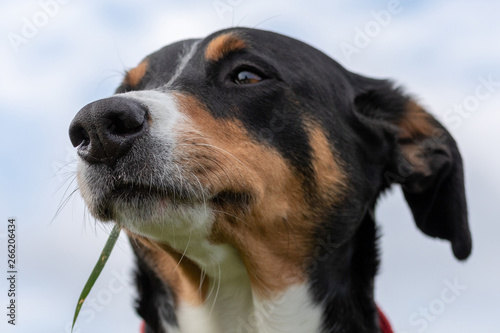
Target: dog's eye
(247,77)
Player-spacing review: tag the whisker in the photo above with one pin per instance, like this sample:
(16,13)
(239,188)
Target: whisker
(63,204)
(210,293)
(205,173)
(203,275)
(183,253)
(217,292)
(221,168)
(226,152)
(202,194)
(233,216)
(63,168)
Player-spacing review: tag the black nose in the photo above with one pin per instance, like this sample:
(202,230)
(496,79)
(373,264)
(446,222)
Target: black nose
(105,130)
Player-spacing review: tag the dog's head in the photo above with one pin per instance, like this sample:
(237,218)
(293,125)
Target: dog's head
(253,142)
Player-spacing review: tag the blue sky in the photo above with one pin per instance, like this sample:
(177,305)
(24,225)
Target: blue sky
(441,51)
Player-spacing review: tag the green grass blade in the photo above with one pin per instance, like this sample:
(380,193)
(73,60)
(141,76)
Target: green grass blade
(97,270)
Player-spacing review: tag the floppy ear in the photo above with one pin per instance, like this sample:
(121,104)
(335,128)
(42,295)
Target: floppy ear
(425,161)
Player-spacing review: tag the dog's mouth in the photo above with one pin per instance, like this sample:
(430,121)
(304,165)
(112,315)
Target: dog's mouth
(150,202)
(149,186)
(143,200)
(137,193)
(174,196)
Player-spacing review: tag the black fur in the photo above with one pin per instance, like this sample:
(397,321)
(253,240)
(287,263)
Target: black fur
(155,300)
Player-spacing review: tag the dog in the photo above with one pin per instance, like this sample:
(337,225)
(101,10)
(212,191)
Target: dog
(245,168)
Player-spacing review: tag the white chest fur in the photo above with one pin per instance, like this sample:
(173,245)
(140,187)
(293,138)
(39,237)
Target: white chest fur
(234,309)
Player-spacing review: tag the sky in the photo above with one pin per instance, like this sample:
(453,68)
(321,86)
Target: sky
(57,56)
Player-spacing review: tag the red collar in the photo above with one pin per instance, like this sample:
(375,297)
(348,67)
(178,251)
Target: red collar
(385,326)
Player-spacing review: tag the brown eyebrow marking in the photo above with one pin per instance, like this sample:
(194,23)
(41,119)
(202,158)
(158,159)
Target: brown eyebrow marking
(135,75)
(222,45)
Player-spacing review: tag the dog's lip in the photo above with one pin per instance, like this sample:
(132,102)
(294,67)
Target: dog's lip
(134,188)
(124,190)
(174,195)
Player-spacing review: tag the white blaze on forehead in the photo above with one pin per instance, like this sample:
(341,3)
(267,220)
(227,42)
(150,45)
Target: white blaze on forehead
(161,102)
(184,59)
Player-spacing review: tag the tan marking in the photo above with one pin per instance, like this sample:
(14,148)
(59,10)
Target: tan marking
(415,123)
(274,235)
(222,45)
(331,180)
(416,156)
(179,273)
(135,75)
(416,126)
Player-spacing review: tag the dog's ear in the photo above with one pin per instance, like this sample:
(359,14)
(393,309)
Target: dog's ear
(425,161)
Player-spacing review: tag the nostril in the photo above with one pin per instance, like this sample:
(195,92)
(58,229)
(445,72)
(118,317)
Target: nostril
(84,138)
(79,136)
(124,124)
